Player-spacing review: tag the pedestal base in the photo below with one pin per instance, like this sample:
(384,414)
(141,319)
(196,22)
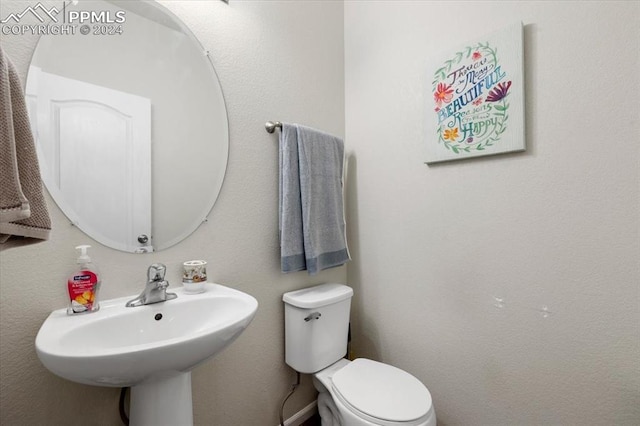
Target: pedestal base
(162,400)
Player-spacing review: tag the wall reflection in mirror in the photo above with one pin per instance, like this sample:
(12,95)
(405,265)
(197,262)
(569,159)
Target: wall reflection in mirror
(131,128)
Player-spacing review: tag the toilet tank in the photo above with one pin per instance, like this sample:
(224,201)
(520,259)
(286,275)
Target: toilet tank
(316,325)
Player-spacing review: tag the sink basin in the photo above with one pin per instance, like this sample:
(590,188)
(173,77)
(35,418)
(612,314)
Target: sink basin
(146,346)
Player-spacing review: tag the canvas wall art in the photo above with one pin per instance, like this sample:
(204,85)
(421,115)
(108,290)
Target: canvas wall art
(475,99)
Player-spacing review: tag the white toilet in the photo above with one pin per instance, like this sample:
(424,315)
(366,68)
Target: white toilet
(352,393)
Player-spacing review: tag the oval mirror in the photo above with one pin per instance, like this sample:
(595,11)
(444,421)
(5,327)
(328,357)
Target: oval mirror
(130,123)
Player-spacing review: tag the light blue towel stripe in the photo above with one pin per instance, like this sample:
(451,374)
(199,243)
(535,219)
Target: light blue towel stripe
(293,263)
(327,260)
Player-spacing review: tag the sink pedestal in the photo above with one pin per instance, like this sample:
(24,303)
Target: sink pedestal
(162,400)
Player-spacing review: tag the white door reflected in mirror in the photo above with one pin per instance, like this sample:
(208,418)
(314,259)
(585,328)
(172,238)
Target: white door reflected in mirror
(98,142)
(157,58)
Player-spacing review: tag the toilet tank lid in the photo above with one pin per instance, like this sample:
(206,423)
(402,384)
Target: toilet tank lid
(320,295)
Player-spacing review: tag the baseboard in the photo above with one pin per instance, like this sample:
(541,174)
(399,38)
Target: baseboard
(303,415)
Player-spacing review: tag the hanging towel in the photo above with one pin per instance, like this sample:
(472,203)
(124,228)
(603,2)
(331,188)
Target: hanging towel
(291,235)
(312,224)
(24,218)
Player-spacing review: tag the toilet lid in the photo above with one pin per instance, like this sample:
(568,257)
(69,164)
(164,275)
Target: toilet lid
(382,391)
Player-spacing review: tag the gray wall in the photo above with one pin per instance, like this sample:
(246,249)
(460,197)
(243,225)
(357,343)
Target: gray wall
(557,226)
(433,247)
(266,75)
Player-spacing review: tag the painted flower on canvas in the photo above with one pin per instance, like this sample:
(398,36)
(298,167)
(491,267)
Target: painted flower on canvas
(499,92)
(451,134)
(443,93)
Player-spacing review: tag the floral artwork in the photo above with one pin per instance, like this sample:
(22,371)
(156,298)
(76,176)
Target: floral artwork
(476,102)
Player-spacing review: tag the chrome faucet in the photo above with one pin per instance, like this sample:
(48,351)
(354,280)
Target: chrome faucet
(156,288)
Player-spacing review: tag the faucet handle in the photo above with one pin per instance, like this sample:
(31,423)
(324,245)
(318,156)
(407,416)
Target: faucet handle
(156,272)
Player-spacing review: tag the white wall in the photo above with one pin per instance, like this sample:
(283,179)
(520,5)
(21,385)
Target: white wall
(266,75)
(557,226)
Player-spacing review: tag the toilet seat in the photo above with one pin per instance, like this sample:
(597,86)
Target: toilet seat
(381,393)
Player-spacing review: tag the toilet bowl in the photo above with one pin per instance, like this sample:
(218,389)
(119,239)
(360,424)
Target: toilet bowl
(369,393)
(362,392)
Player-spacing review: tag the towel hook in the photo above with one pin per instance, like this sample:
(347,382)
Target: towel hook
(272,125)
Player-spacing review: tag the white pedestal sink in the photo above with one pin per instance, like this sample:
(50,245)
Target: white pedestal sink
(151,348)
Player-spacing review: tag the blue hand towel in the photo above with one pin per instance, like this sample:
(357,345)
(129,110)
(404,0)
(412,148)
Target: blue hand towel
(312,225)
(291,236)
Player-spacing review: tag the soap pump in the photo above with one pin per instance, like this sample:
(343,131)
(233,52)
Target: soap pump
(83,285)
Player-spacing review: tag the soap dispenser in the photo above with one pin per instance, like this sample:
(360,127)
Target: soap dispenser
(83,285)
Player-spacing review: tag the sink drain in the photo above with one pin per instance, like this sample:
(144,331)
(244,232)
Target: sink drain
(158,317)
